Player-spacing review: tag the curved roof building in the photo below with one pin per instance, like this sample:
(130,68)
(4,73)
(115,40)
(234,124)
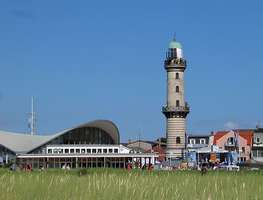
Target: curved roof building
(92,144)
(94,132)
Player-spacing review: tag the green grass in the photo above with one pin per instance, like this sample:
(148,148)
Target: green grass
(121,184)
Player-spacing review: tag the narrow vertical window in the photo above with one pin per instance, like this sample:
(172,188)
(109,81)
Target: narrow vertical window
(178,140)
(177,103)
(192,141)
(177,89)
(177,76)
(202,141)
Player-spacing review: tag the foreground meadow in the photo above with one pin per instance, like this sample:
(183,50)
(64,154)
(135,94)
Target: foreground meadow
(121,184)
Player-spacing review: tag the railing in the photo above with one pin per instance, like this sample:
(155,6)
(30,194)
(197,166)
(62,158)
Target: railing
(176,108)
(230,144)
(197,145)
(177,61)
(258,143)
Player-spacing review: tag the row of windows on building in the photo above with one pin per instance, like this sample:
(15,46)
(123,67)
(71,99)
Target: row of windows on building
(230,141)
(257,153)
(200,141)
(81,151)
(242,150)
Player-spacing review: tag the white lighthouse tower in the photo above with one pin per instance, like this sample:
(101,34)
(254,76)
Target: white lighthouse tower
(176,108)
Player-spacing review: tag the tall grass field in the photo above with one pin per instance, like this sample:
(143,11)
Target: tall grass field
(121,184)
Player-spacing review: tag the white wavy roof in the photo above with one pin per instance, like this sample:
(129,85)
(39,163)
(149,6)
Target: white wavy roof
(19,142)
(23,143)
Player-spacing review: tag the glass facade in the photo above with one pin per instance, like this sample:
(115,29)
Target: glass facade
(6,153)
(86,135)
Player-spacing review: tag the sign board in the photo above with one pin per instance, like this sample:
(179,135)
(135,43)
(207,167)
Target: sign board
(213,157)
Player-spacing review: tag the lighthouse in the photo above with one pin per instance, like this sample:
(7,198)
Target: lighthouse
(176,108)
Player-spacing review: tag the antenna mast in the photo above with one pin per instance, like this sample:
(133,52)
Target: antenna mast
(32,119)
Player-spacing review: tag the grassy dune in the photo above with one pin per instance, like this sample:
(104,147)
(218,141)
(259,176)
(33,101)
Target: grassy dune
(120,184)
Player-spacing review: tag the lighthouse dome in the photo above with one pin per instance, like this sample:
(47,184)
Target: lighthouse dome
(175,45)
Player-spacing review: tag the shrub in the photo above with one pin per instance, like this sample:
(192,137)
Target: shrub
(82,172)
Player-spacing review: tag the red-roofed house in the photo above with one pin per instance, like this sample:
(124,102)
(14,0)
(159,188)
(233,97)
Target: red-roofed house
(235,140)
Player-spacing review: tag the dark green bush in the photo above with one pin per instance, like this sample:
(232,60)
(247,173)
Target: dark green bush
(82,172)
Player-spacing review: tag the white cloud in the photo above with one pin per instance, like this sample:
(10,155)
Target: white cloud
(231,125)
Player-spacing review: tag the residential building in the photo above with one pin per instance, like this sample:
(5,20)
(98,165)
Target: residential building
(239,141)
(195,142)
(257,148)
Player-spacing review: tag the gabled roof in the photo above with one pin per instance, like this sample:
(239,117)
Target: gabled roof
(24,143)
(248,135)
(244,133)
(218,135)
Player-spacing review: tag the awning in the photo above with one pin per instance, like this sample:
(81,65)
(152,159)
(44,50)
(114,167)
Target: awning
(211,149)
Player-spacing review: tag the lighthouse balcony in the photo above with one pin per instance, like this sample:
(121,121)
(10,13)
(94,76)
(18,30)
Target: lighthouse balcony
(176,109)
(179,62)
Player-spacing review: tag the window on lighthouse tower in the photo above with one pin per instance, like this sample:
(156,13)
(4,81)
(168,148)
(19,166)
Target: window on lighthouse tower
(177,89)
(178,140)
(177,76)
(177,103)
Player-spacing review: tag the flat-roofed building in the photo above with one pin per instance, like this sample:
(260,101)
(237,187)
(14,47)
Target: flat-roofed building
(197,141)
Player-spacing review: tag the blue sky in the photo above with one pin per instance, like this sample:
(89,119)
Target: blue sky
(86,60)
